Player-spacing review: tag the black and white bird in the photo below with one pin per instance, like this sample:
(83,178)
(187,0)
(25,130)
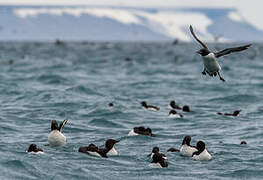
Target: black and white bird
(211,66)
(33,149)
(186,149)
(201,154)
(109,149)
(174,114)
(55,137)
(149,107)
(154,151)
(173,105)
(235,113)
(141,130)
(159,161)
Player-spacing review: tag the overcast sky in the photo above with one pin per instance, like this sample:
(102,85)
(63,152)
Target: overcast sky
(251,10)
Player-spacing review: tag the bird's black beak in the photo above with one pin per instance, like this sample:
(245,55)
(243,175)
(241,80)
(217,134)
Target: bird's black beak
(149,155)
(198,52)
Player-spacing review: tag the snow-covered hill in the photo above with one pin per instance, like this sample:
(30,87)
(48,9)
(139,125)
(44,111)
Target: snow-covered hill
(123,23)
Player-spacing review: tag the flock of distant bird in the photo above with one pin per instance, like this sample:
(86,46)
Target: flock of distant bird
(198,152)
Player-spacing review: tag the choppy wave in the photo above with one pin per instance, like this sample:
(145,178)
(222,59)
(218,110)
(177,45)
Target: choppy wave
(77,81)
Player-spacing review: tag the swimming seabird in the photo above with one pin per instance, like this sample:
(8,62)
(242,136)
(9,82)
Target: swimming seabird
(235,113)
(141,130)
(211,66)
(186,149)
(158,160)
(154,151)
(174,114)
(149,107)
(109,149)
(186,108)
(55,137)
(33,149)
(243,142)
(173,105)
(110,104)
(201,154)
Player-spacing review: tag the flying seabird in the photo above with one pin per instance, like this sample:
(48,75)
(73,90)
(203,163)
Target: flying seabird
(211,66)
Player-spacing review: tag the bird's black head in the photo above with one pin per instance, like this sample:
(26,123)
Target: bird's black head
(110,143)
(158,158)
(186,108)
(155,150)
(149,130)
(203,52)
(187,140)
(32,148)
(54,125)
(200,146)
(236,112)
(144,104)
(140,128)
(172,103)
(172,112)
(243,142)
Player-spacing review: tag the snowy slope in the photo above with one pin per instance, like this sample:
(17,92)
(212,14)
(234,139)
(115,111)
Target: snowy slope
(122,24)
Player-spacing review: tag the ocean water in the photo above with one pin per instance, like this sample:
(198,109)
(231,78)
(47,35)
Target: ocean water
(76,81)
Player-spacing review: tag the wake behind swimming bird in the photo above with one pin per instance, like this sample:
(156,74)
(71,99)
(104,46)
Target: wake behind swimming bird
(211,66)
(55,137)
(108,150)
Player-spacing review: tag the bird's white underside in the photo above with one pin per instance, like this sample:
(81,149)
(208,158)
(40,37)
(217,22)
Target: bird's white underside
(210,63)
(56,138)
(186,150)
(204,156)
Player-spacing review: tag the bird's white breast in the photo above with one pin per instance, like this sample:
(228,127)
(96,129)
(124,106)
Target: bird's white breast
(38,152)
(112,152)
(151,109)
(186,150)
(94,153)
(155,165)
(203,156)
(174,116)
(56,138)
(210,63)
(132,133)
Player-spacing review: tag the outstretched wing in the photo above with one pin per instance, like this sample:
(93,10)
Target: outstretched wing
(62,124)
(230,50)
(198,40)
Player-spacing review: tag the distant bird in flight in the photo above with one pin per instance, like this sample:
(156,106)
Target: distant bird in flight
(211,66)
